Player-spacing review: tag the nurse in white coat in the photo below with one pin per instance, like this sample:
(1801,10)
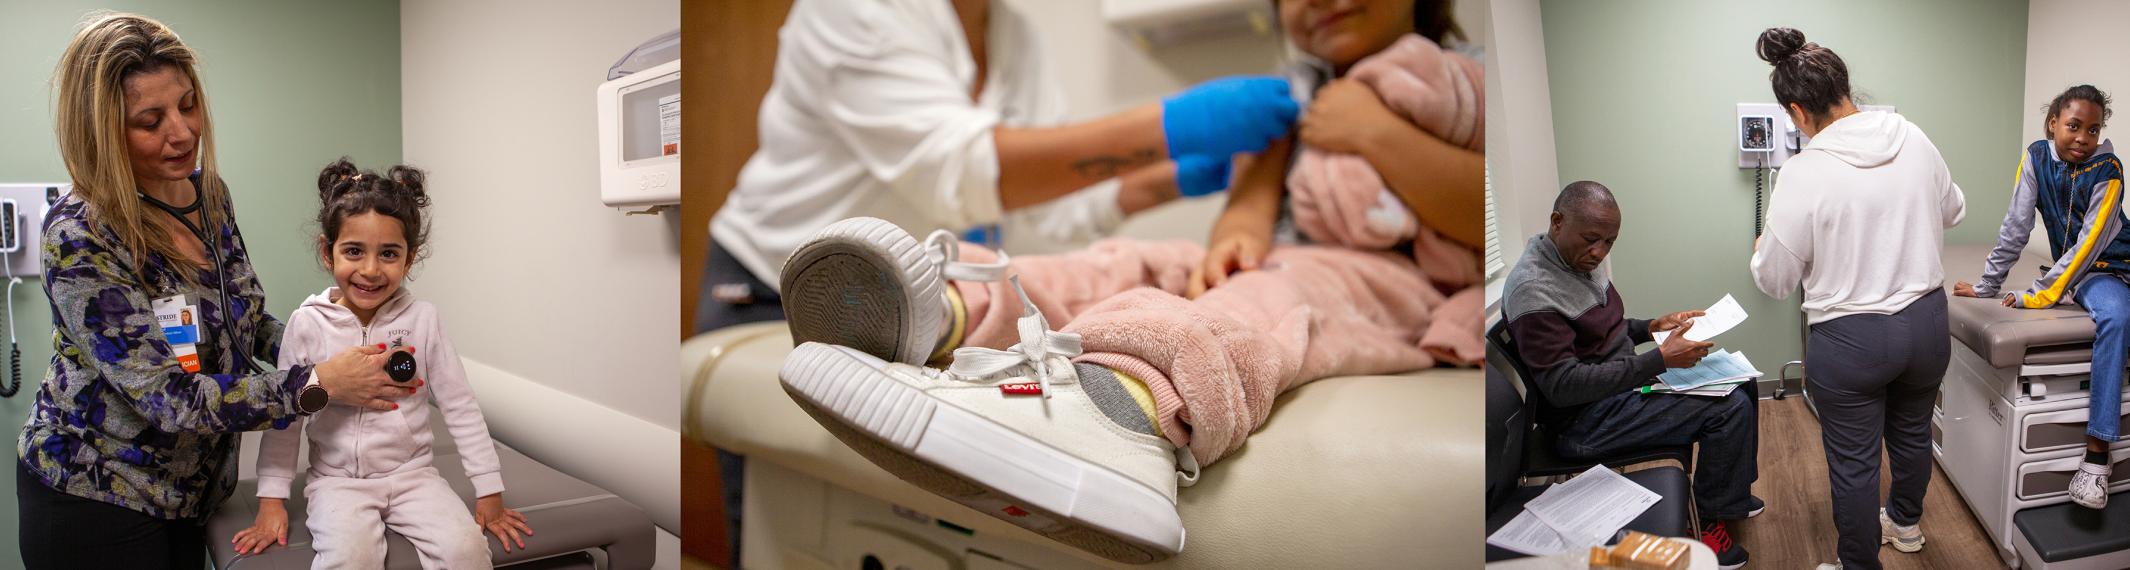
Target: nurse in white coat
(938,114)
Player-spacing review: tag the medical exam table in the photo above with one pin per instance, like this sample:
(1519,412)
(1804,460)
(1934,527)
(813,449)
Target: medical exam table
(1354,472)
(2009,425)
(578,525)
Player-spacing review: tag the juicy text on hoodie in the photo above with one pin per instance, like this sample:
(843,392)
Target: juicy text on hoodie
(349,441)
(1858,218)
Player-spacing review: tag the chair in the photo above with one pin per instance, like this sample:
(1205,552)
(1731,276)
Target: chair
(1508,424)
(1542,456)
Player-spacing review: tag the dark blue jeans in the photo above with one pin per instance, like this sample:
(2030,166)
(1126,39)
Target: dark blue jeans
(714,313)
(1728,429)
(1874,379)
(2107,298)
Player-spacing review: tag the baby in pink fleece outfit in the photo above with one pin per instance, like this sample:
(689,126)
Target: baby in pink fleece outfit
(1214,348)
(372,470)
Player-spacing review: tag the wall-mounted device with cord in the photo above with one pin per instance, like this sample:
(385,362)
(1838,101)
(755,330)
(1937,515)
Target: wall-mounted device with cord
(22,211)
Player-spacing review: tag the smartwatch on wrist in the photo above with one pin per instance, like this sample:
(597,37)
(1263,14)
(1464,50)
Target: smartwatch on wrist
(312,398)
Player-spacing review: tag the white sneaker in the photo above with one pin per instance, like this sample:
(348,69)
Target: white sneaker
(2089,486)
(1008,433)
(866,284)
(1903,538)
(1830,566)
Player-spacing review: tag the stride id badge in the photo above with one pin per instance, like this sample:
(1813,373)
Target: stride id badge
(181,327)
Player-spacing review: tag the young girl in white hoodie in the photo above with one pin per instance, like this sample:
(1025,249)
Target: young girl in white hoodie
(371,470)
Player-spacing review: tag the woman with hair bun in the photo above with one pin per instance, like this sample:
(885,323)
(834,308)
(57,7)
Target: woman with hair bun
(1858,218)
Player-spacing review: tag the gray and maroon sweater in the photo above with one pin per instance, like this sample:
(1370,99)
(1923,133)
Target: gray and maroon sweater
(1572,332)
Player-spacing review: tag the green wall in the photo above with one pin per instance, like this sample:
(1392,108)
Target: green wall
(292,85)
(1644,98)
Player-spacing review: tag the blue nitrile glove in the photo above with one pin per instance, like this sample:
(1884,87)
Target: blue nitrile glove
(1229,115)
(1199,175)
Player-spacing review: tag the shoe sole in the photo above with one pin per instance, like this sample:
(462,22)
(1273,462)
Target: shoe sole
(864,283)
(1911,548)
(959,455)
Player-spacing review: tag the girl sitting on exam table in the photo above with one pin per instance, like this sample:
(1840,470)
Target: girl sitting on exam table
(371,470)
(2073,179)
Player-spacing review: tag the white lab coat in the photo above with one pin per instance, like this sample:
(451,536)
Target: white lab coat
(869,115)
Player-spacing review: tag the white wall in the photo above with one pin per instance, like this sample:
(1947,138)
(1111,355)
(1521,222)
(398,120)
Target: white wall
(1519,126)
(2057,59)
(542,286)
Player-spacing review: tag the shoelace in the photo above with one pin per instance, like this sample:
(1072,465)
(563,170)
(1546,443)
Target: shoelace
(1038,344)
(944,250)
(1716,537)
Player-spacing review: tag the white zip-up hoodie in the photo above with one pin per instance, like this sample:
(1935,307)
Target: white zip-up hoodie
(1859,218)
(350,441)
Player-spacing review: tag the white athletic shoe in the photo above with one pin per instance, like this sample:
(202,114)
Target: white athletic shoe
(866,284)
(1903,538)
(2089,486)
(1830,566)
(1008,433)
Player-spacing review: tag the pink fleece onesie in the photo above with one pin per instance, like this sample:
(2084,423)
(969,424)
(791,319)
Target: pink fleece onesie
(1340,199)
(372,470)
(1215,363)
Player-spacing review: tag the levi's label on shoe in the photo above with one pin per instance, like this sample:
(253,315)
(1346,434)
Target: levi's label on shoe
(1011,512)
(1021,389)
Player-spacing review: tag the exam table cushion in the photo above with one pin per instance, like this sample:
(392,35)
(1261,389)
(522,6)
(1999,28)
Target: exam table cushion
(1666,518)
(569,515)
(1350,472)
(2006,336)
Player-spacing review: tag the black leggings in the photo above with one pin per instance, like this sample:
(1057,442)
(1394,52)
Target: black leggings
(64,531)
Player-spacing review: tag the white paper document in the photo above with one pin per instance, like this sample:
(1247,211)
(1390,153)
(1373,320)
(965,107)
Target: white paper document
(1719,366)
(1525,534)
(1590,508)
(1714,320)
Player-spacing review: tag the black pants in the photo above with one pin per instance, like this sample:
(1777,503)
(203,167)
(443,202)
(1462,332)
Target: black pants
(714,313)
(62,531)
(1728,429)
(1875,377)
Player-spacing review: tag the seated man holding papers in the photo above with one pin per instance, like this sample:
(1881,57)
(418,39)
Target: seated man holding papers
(1572,333)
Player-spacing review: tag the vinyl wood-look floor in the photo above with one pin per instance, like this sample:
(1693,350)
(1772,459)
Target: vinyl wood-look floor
(1797,530)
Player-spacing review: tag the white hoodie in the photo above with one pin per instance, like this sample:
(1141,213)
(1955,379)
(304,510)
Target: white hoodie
(349,441)
(1859,218)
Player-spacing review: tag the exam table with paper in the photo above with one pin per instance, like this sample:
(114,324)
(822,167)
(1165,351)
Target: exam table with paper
(2009,425)
(578,525)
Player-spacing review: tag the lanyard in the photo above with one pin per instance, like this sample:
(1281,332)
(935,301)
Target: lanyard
(245,365)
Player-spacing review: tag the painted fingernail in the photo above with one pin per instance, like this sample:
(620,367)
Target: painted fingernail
(410,350)
(380,346)
(395,406)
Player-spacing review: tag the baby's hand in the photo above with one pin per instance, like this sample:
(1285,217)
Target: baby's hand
(1230,252)
(506,524)
(270,528)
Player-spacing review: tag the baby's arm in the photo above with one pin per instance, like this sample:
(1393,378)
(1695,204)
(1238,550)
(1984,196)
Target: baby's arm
(277,453)
(1441,183)
(1243,233)
(446,380)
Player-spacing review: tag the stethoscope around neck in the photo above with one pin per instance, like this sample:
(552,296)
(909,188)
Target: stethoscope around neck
(245,365)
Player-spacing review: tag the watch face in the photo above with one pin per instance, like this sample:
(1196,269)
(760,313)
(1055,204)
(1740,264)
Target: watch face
(312,399)
(400,366)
